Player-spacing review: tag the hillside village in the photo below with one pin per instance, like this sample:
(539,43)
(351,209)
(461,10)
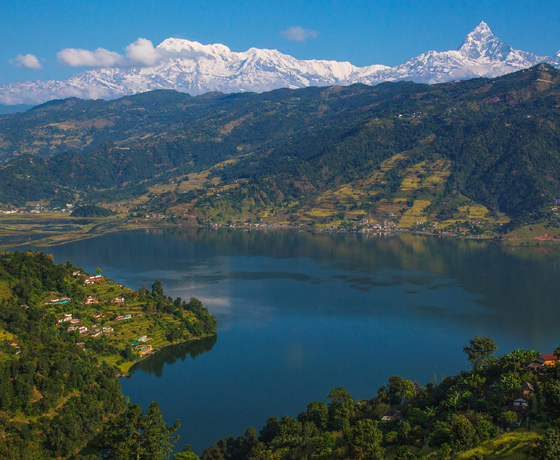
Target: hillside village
(120,325)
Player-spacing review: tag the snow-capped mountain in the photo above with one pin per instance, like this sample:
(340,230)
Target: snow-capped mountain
(482,54)
(195,68)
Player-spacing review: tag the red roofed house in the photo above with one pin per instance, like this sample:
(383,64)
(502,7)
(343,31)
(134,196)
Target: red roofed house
(547,360)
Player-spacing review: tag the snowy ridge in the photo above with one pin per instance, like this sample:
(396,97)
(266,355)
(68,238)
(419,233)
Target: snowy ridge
(196,68)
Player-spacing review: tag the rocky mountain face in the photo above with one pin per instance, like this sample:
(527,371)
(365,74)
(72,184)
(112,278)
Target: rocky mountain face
(195,68)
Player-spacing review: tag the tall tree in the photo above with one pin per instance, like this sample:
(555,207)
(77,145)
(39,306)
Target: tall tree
(157,288)
(341,408)
(135,436)
(480,351)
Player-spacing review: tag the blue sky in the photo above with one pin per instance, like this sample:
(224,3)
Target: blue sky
(362,32)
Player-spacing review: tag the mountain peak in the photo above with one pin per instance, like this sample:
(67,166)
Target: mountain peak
(482,28)
(482,43)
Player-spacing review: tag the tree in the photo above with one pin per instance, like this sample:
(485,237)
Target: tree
(399,390)
(98,271)
(557,352)
(187,454)
(324,444)
(157,288)
(365,441)
(341,407)
(403,453)
(547,446)
(317,413)
(551,393)
(480,351)
(135,436)
(462,431)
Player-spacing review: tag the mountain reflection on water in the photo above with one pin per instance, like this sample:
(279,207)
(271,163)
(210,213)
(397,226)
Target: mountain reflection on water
(169,355)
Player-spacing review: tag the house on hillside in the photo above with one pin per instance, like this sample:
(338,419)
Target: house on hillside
(527,389)
(143,349)
(91,299)
(89,280)
(118,299)
(389,418)
(520,403)
(59,301)
(543,360)
(547,360)
(65,318)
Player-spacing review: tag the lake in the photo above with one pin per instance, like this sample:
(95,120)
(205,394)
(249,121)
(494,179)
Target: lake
(299,314)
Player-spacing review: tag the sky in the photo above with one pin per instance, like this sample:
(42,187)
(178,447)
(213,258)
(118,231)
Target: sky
(34,34)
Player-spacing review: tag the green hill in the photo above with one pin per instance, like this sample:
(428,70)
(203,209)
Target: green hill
(64,340)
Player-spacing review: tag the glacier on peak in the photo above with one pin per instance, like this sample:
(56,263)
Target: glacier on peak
(192,67)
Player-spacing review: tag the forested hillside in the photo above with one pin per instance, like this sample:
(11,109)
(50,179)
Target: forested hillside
(64,337)
(503,408)
(441,153)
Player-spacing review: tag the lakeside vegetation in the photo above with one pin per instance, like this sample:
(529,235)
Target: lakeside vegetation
(64,338)
(503,408)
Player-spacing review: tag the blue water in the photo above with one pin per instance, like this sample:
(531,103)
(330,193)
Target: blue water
(300,314)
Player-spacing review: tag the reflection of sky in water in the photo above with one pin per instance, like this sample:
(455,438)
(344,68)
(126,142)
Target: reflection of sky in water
(300,314)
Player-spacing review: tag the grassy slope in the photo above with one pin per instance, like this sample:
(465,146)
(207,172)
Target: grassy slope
(507,446)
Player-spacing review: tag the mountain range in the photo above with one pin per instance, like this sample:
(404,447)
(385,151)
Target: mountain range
(197,69)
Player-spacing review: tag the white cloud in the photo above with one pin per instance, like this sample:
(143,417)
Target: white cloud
(139,53)
(298,34)
(99,58)
(142,52)
(29,61)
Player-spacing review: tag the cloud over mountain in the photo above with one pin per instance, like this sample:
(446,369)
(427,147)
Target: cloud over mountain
(195,68)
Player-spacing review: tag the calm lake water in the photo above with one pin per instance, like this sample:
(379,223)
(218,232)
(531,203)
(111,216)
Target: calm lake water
(300,314)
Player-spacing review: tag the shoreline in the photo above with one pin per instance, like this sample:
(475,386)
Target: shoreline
(128,373)
(19,229)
